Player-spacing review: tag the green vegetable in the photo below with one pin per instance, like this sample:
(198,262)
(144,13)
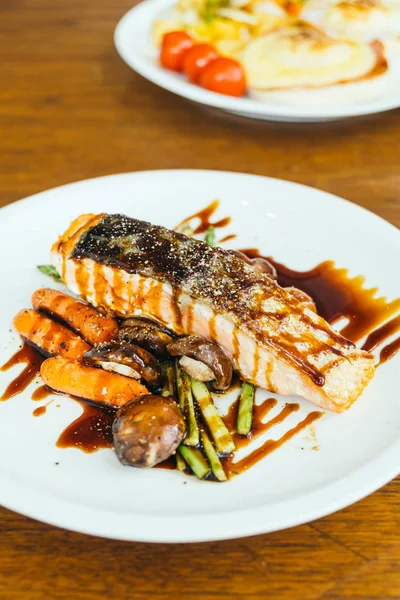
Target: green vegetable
(186,405)
(222,438)
(168,379)
(245,411)
(210,236)
(50,271)
(195,460)
(213,458)
(180,463)
(211,7)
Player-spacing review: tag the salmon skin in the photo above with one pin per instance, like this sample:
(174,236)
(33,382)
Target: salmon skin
(128,267)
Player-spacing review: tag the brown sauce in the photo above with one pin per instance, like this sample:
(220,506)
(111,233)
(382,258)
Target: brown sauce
(153,298)
(231,236)
(32,359)
(382,333)
(258,426)
(212,328)
(168,465)
(236,345)
(269,446)
(256,362)
(389,351)
(41,410)
(204,216)
(338,295)
(90,431)
(41,393)
(177,314)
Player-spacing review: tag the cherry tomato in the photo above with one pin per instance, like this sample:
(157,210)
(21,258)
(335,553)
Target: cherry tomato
(196,59)
(225,76)
(174,47)
(292,8)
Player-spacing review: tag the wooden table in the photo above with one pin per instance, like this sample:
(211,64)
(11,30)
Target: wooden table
(70,109)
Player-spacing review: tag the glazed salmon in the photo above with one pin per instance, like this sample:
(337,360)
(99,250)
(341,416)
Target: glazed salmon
(129,267)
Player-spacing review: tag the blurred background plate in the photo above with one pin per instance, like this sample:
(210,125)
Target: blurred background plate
(133,42)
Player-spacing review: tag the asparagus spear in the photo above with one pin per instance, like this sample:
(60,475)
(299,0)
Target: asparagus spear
(195,460)
(210,236)
(245,412)
(168,388)
(222,438)
(213,458)
(187,407)
(50,271)
(180,463)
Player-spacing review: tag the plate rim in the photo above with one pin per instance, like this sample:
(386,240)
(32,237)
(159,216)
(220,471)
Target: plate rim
(351,488)
(184,89)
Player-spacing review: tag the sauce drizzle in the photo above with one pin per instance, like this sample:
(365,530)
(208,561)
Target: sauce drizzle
(25,355)
(231,236)
(41,410)
(204,217)
(269,446)
(41,393)
(90,431)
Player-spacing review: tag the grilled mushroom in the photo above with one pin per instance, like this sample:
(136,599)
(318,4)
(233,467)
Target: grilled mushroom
(147,430)
(126,359)
(146,333)
(207,360)
(259,264)
(302,297)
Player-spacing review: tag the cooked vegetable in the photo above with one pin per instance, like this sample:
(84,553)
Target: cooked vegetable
(147,431)
(205,351)
(222,438)
(210,237)
(187,407)
(73,378)
(125,359)
(196,369)
(245,411)
(180,462)
(195,460)
(50,337)
(94,327)
(213,458)
(149,334)
(224,76)
(196,59)
(50,271)
(168,380)
(174,46)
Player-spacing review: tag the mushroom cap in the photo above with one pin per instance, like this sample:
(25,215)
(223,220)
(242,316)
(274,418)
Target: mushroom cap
(127,359)
(147,430)
(146,333)
(207,352)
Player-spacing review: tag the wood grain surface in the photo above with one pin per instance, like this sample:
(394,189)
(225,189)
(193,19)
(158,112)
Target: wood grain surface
(70,109)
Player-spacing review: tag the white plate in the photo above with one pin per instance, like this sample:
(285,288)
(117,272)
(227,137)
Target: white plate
(133,42)
(300,226)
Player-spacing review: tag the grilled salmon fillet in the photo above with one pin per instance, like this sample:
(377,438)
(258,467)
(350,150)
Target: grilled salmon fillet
(128,267)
